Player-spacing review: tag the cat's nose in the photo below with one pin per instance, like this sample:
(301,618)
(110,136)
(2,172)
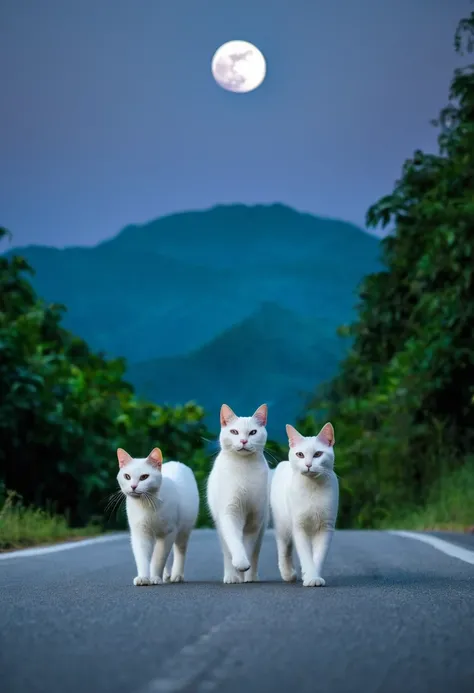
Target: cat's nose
(309,464)
(244,442)
(133,486)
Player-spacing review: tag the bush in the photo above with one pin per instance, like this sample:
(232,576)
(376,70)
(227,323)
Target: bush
(22,526)
(64,409)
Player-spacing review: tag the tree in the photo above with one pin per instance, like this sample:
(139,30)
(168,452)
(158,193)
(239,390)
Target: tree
(402,403)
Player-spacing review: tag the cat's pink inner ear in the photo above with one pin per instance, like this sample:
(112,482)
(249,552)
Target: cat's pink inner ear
(261,415)
(155,458)
(123,457)
(227,415)
(326,434)
(293,436)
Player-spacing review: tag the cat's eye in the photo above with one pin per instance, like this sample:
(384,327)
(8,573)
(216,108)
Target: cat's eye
(318,453)
(234,432)
(144,476)
(300,454)
(127,477)
(252,433)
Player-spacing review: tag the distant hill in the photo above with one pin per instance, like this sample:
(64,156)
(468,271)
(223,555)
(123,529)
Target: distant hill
(190,284)
(274,356)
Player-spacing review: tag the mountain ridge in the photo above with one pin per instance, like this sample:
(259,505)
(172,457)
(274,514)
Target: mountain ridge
(169,288)
(272,356)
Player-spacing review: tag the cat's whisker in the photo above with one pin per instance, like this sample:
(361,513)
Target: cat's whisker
(150,500)
(113,495)
(213,455)
(208,440)
(112,501)
(270,454)
(120,505)
(115,504)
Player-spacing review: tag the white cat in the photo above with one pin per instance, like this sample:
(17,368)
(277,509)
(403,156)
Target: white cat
(162,508)
(304,500)
(238,492)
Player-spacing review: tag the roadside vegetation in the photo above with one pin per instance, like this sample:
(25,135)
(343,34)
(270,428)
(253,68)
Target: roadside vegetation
(403,402)
(64,410)
(448,505)
(22,526)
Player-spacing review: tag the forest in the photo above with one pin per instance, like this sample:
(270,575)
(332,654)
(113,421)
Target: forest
(402,403)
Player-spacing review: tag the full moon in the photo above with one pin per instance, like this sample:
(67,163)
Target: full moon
(238,66)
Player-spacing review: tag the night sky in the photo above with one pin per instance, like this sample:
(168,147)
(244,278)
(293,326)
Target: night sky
(109,114)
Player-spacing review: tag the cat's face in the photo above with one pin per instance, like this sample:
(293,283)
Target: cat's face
(243,435)
(139,476)
(312,455)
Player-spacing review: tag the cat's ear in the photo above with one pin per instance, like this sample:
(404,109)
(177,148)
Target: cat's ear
(326,435)
(261,414)
(293,436)
(155,458)
(123,457)
(227,415)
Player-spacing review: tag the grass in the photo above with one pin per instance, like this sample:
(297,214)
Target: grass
(449,504)
(22,526)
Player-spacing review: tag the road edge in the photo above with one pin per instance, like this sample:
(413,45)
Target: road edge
(63,546)
(441,545)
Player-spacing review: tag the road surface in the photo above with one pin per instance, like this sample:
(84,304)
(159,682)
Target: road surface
(396,616)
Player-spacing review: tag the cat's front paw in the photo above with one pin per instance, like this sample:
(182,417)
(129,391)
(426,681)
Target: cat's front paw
(288,575)
(166,576)
(241,564)
(251,577)
(156,580)
(141,581)
(313,581)
(177,578)
(232,579)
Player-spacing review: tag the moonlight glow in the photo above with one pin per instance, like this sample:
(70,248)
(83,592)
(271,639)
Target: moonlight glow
(238,66)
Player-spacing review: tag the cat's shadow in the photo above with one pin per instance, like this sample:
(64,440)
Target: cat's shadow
(365,581)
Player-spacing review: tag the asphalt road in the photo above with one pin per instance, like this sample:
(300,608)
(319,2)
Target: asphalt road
(396,616)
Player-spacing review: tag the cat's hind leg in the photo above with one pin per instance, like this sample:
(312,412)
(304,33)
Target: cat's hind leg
(285,557)
(179,556)
(321,543)
(304,547)
(253,544)
(167,570)
(160,556)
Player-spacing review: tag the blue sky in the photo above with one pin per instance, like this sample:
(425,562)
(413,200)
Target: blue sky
(109,114)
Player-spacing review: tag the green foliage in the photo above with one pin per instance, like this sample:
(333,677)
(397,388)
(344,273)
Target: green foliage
(402,404)
(22,526)
(448,505)
(64,409)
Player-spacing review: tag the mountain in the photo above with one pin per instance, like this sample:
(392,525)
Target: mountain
(274,356)
(170,293)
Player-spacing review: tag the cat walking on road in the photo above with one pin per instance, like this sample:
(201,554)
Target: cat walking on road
(238,492)
(162,502)
(304,501)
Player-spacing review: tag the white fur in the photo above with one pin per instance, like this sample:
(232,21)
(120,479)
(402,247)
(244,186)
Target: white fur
(304,505)
(161,515)
(238,493)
